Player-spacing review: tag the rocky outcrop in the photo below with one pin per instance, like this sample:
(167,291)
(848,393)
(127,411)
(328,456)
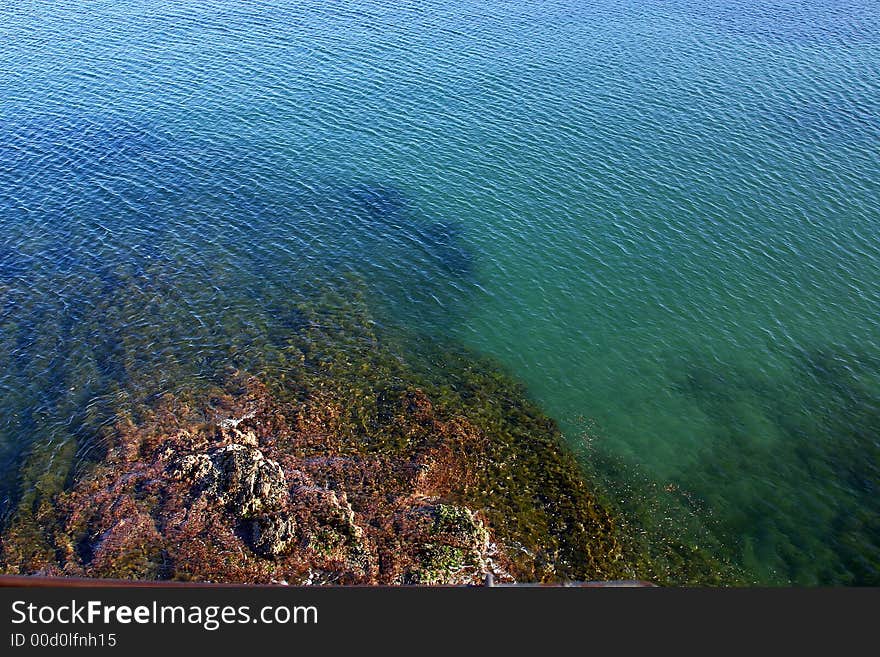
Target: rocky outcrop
(239,477)
(273,519)
(250,487)
(247,488)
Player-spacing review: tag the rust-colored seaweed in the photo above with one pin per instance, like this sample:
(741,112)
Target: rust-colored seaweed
(446,503)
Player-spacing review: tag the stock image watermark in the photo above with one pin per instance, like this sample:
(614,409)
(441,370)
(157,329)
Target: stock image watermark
(210,618)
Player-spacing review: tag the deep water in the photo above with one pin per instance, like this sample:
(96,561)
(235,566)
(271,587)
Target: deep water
(662,217)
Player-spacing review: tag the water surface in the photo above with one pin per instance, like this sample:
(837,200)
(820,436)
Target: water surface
(661,216)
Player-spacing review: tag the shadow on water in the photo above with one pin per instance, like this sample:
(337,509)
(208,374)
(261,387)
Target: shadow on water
(420,267)
(387,210)
(440,243)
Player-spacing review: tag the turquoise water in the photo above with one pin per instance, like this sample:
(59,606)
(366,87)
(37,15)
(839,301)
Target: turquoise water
(661,216)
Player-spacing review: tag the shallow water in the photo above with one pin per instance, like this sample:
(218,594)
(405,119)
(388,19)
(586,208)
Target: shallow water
(662,217)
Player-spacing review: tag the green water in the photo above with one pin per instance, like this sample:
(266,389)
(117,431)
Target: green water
(661,217)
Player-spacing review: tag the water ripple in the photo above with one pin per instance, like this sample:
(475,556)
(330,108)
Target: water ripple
(660,215)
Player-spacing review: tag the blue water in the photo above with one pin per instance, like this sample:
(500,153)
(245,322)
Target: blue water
(661,216)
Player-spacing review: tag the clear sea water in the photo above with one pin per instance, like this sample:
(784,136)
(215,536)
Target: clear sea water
(661,216)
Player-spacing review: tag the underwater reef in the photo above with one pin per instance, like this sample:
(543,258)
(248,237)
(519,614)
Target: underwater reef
(248,487)
(340,463)
(320,446)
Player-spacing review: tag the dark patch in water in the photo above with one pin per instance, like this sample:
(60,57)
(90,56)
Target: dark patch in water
(382,206)
(388,209)
(421,265)
(827,434)
(444,240)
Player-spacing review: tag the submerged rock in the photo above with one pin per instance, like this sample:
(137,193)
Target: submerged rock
(238,477)
(322,483)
